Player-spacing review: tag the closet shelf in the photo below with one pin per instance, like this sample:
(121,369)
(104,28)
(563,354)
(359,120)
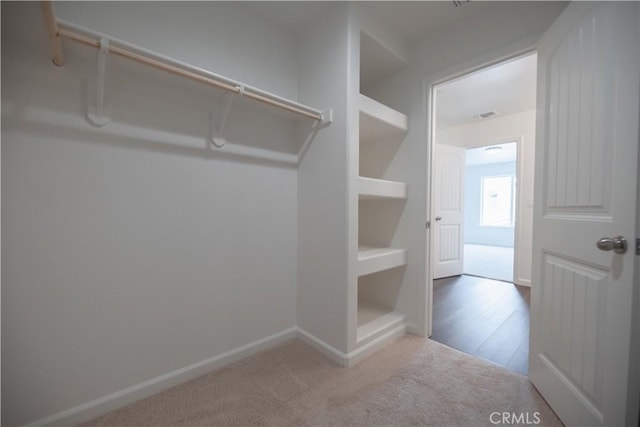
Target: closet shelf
(373,260)
(379,122)
(375,320)
(375,189)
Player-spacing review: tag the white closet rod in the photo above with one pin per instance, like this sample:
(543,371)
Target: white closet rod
(58,28)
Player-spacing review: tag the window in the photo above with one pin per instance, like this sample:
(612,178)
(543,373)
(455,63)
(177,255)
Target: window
(497,206)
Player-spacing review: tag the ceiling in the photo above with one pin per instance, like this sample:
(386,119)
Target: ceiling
(414,19)
(409,19)
(506,88)
(293,16)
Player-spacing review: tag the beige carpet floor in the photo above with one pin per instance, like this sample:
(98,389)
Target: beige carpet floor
(411,382)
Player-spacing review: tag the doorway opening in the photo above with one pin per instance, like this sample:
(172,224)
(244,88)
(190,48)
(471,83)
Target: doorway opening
(490,194)
(481,205)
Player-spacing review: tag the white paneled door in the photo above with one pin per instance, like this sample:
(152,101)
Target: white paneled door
(448,219)
(586,189)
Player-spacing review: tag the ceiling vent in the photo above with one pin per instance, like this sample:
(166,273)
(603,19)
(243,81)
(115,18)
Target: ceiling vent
(486,115)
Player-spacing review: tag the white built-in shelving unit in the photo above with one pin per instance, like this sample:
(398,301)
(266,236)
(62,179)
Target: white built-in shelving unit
(372,189)
(379,122)
(374,320)
(352,232)
(381,201)
(373,260)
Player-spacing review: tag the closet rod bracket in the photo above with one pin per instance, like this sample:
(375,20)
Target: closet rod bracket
(97,112)
(326,120)
(217,132)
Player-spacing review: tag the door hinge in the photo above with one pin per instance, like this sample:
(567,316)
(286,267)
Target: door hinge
(637,246)
(428,225)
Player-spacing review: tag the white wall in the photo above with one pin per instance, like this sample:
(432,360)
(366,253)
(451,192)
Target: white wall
(482,39)
(521,127)
(322,185)
(134,250)
(223,37)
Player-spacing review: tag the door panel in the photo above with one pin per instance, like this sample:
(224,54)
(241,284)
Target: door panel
(448,208)
(579,175)
(572,294)
(586,180)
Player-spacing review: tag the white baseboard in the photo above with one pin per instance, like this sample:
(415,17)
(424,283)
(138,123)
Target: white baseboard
(368,349)
(148,388)
(100,406)
(524,282)
(331,352)
(356,356)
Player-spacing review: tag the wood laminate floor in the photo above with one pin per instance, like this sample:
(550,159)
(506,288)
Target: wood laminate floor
(483,317)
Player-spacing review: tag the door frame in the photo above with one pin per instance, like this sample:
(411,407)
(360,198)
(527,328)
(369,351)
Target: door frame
(429,84)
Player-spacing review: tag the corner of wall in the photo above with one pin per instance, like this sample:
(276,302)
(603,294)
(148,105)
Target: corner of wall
(322,183)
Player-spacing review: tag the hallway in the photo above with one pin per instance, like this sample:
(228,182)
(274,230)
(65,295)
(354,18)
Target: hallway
(486,318)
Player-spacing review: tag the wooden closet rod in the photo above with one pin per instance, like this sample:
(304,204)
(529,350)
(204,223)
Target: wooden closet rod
(56,31)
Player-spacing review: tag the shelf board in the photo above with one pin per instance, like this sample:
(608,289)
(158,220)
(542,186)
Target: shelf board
(379,122)
(373,260)
(374,189)
(373,320)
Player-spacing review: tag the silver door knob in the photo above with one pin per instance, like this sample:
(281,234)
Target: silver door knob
(438,218)
(617,244)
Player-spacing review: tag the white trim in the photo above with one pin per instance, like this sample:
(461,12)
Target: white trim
(110,402)
(523,282)
(331,352)
(367,350)
(155,385)
(356,356)
(519,212)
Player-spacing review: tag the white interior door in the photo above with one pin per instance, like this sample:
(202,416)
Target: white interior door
(586,179)
(448,218)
